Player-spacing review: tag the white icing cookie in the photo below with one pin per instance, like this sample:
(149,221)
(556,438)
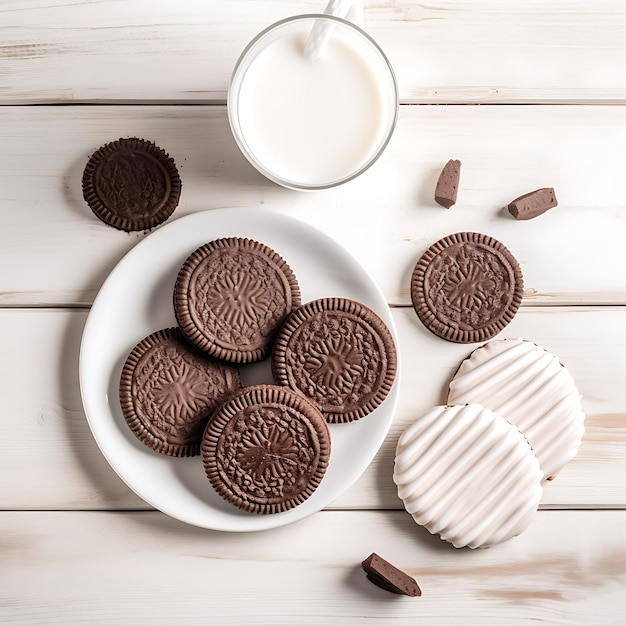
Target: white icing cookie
(527,385)
(468,475)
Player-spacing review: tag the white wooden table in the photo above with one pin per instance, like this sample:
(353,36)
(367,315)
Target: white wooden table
(76,545)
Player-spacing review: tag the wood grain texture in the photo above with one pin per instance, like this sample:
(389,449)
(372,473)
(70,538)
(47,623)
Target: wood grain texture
(51,461)
(76,545)
(76,568)
(442,51)
(54,251)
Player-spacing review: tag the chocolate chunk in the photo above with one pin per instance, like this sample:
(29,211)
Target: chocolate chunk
(231,296)
(338,353)
(266,449)
(448,184)
(466,287)
(533,204)
(388,577)
(131,184)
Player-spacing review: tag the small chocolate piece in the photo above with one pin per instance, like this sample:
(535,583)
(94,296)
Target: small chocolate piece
(338,353)
(131,184)
(533,204)
(266,449)
(232,295)
(448,184)
(466,287)
(168,390)
(388,577)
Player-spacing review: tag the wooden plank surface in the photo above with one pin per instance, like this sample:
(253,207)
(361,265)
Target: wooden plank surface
(51,461)
(77,545)
(59,253)
(74,568)
(442,51)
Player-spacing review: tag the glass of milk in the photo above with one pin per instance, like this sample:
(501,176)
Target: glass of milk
(312,120)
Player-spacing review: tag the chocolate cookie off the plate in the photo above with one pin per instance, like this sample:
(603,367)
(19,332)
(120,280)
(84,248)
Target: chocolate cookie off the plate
(466,287)
(168,390)
(230,297)
(338,353)
(131,184)
(266,449)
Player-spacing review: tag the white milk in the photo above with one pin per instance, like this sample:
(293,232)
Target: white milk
(312,122)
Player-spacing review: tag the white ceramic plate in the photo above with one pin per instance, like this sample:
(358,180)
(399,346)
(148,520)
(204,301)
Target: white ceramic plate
(136,300)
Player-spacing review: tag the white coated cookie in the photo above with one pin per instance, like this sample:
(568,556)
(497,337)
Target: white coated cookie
(468,475)
(526,384)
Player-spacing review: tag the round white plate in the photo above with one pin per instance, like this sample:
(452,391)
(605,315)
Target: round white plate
(136,300)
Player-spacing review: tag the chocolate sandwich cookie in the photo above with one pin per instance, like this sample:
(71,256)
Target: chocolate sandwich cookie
(131,184)
(338,353)
(266,449)
(168,390)
(230,297)
(466,287)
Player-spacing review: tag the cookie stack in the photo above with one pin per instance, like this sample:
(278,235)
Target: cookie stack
(472,470)
(265,448)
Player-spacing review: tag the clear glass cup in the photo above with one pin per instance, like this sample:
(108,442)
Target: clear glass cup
(312,123)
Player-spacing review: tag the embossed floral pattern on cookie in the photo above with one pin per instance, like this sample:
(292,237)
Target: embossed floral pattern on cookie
(231,296)
(266,450)
(338,353)
(466,287)
(168,391)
